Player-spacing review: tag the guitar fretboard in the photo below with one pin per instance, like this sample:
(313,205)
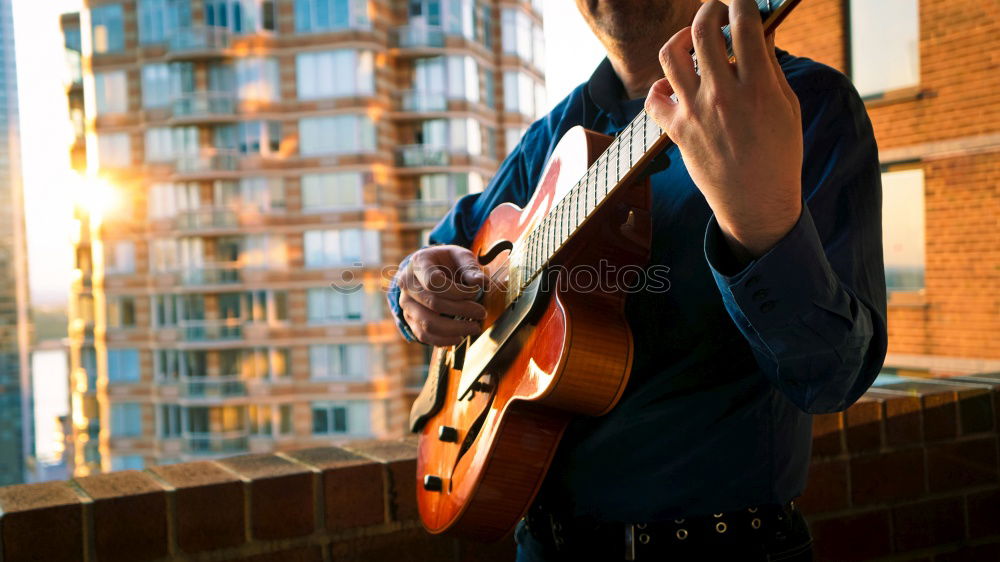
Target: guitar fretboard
(625,158)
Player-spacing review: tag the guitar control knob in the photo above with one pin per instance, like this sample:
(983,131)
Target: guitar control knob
(448,434)
(432,483)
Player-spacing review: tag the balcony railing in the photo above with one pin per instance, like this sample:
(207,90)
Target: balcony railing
(423,211)
(417,155)
(211,330)
(210,217)
(201,105)
(199,39)
(215,443)
(410,36)
(209,161)
(212,387)
(214,274)
(416,100)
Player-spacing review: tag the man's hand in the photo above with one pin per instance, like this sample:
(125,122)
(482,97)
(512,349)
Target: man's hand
(438,293)
(738,126)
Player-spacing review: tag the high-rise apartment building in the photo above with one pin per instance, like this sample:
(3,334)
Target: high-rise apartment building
(269,160)
(934,100)
(16,421)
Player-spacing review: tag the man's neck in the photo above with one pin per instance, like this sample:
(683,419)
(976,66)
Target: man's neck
(637,63)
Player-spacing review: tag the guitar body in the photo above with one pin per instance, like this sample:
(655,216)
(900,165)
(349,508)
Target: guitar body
(570,355)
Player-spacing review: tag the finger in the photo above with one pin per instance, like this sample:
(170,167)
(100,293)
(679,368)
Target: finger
(710,44)
(438,277)
(678,67)
(437,302)
(467,268)
(434,329)
(748,39)
(779,74)
(660,107)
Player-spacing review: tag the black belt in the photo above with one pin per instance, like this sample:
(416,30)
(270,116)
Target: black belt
(766,529)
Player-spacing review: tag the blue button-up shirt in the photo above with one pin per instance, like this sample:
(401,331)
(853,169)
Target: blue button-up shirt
(728,365)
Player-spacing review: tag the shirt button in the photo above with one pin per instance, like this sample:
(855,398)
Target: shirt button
(767,307)
(760,294)
(751,281)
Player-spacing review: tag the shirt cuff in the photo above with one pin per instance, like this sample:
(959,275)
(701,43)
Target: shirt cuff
(392,295)
(780,286)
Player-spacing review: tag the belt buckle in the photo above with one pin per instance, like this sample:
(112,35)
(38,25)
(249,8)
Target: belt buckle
(630,541)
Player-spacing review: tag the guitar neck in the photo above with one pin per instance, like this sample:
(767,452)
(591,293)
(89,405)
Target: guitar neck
(626,158)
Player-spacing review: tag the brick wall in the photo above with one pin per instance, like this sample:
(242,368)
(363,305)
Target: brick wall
(950,126)
(908,473)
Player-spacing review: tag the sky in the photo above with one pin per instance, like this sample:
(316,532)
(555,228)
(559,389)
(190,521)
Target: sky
(572,52)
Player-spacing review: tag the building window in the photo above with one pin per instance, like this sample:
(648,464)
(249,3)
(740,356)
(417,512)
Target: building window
(453,135)
(522,94)
(521,36)
(158,19)
(119,257)
(121,312)
(452,77)
(166,200)
(449,187)
(884,57)
(903,229)
(126,419)
(107,27)
(339,248)
(261,138)
(285,425)
(339,134)
(343,361)
(127,462)
(240,16)
(170,420)
(512,136)
(330,15)
(111,91)
(165,144)
(260,420)
(327,305)
(123,365)
(349,417)
(336,190)
(163,83)
(332,74)
(114,150)
(257,79)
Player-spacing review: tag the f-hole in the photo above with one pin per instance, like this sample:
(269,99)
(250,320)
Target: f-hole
(494,251)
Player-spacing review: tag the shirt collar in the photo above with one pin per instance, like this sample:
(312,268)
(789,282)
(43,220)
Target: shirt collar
(608,94)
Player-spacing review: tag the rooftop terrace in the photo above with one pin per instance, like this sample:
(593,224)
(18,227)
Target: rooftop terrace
(910,472)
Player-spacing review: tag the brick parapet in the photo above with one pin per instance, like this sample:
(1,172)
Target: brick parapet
(911,470)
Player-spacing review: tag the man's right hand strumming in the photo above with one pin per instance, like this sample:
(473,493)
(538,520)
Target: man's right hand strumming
(439,291)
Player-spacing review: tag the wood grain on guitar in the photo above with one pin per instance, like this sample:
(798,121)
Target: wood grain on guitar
(495,408)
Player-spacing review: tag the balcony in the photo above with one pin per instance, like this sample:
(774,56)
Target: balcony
(199,42)
(419,155)
(215,443)
(211,330)
(207,219)
(204,106)
(419,36)
(418,101)
(212,387)
(208,162)
(223,273)
(423,211)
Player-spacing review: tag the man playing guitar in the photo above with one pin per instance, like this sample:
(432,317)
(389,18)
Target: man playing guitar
(769,219)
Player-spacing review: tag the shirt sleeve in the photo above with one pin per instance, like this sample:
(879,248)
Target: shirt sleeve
(813,308)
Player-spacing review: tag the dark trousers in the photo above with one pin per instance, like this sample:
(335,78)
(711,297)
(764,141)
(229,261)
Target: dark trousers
(790,543)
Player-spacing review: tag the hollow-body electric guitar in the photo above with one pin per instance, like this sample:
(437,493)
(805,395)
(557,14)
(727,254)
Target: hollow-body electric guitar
(556,342)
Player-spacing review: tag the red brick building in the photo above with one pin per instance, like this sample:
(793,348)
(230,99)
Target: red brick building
(931,81)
